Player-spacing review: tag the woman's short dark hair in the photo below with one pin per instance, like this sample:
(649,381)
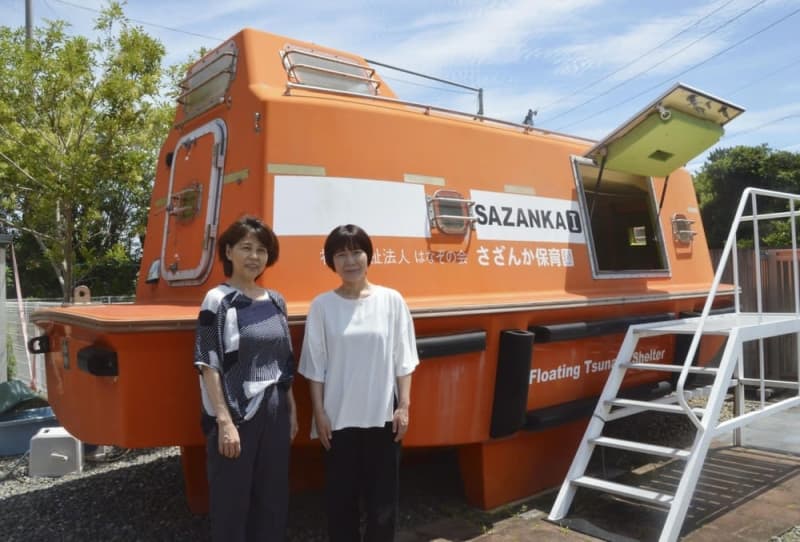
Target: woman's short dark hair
(347,237)
(237,231)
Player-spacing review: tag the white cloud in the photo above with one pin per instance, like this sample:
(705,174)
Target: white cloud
(760,127)
(674,41)
(499,33)
(534,54)
(779,120)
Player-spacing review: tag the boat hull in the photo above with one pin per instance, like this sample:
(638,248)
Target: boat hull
(522,257)
(497,404)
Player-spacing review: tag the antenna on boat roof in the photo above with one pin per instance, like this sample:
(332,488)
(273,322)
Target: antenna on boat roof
(528,120)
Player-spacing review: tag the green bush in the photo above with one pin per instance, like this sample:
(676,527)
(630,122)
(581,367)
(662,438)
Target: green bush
(12,361)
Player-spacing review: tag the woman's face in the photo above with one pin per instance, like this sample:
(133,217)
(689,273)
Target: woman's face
(350,265)
(248,256)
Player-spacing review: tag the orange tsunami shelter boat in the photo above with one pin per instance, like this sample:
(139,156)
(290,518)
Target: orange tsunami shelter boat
(524,255)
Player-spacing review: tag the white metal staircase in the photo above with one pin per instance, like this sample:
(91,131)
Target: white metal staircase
(738,327)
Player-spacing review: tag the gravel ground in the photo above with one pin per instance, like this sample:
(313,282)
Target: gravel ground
(140,496)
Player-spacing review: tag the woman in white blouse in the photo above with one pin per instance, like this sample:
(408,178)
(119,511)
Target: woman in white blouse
(358,355)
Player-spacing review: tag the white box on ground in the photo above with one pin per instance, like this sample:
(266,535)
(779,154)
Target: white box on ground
(54,452)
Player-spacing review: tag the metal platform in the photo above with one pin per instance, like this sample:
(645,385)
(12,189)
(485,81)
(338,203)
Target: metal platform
(738,327)
(751,324)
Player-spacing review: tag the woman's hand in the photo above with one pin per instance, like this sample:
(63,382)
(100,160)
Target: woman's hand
(323,424)
(292,424)
(229,444)
(292,415)
(400,423)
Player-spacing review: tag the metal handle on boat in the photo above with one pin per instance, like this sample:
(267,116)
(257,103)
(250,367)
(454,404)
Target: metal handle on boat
(290,50)
(467,202)
(457,217)
(370,80)
(439,220)
(185,82)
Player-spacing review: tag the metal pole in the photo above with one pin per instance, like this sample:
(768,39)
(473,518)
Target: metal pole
(28,22)
(4,241)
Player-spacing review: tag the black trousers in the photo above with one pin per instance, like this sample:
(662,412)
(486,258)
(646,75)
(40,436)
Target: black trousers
(362,464)
(249,495)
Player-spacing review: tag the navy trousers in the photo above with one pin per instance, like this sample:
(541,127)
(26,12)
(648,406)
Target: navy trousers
(362,464)
(249,495)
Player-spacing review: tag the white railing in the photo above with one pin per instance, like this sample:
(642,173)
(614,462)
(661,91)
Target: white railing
(729,255)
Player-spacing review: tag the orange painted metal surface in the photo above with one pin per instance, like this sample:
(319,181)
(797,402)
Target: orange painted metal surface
(512,468)
(265,140)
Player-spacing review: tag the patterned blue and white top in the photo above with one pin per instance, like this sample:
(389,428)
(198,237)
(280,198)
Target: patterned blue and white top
(248,342)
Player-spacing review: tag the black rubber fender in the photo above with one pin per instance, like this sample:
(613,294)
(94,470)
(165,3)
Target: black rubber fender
(39,345)
(511,383)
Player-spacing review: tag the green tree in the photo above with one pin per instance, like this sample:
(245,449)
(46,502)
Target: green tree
(81,122)
(726,174)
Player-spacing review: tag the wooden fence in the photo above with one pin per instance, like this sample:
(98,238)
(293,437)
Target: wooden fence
(780,353)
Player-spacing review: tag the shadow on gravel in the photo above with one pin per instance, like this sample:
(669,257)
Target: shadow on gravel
(138,502)
(145,501)
(432,504)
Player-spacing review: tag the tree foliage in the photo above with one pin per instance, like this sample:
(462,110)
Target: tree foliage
(726,174)
(81,122)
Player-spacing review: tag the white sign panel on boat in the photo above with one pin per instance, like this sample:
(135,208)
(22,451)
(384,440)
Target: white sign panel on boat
(514,217)
(315,205)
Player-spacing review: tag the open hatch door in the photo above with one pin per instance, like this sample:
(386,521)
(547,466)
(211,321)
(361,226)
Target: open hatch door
(666,134)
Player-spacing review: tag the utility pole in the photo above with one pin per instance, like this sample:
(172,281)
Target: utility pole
(5,241)
(28,22)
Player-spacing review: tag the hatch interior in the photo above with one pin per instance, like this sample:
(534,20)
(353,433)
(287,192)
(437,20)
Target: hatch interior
(625,237)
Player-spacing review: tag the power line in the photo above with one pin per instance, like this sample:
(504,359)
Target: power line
(687,70)
(147,23)
(653,66)
(764,125)
(729,21)
(755,129)
(695,163)
(217,39)
(656,48)
(763,77)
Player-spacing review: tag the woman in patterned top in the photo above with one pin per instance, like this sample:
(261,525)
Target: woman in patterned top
(358,355)
(243,352)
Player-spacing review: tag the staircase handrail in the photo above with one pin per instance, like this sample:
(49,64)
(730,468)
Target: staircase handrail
(730,245)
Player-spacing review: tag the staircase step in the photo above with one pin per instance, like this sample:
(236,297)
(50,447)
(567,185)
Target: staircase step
(652,405)
(669,368)
(642,447)
(756,325)
(680,327)
(638,493)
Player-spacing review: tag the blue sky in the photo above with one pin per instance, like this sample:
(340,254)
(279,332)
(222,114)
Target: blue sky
(586,66)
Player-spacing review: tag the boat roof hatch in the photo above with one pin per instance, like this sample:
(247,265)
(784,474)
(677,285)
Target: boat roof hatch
(666,134)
